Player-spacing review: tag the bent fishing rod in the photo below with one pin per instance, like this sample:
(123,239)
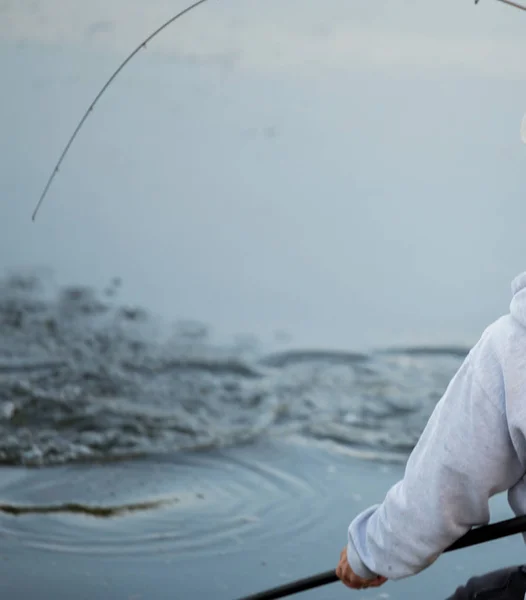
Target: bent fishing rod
(475,536)
(142,45)
(119,69)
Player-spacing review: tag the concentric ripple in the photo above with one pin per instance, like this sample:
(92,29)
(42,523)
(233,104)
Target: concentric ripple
(200,502)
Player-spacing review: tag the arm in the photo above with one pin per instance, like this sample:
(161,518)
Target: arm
(464,456)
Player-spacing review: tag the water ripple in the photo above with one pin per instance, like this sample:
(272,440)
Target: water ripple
(195,503)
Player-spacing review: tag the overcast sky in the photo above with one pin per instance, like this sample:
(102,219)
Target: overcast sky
(348,171)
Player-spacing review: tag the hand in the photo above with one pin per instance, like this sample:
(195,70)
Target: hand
(349,577)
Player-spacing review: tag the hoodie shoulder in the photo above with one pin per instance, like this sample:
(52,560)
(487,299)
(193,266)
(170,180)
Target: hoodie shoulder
(518,301)
(507,334)
(498,359)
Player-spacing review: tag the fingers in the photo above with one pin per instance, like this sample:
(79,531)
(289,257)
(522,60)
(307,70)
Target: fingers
(354,582)
(377,582)
(340,569)
(349,578)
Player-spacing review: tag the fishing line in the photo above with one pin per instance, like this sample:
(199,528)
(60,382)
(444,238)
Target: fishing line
(126,61)
(106,85)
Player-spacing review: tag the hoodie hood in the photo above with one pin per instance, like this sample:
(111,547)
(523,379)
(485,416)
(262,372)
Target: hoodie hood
(518,302)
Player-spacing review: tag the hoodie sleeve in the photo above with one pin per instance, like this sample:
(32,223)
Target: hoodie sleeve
(464,456)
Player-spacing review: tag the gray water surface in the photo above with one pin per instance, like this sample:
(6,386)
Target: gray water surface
(247,519)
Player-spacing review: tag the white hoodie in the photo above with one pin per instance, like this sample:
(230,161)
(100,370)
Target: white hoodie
(473,447)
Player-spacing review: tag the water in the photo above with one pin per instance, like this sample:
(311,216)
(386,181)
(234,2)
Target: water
(347,176)
(84,378)
(182,506)
(250,517)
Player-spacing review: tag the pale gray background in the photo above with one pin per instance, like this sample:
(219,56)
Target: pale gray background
(348,171)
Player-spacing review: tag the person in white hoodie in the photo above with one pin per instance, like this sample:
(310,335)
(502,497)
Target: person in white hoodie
(473,447)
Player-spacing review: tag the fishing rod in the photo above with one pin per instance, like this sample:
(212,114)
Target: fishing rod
(509,3)
(104,88)
(119,69)
(478,535)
